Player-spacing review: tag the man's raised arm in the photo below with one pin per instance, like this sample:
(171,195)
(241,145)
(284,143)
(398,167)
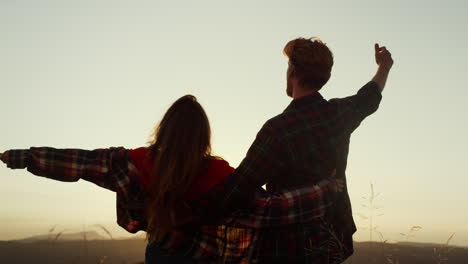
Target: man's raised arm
(241,194)
(383,58)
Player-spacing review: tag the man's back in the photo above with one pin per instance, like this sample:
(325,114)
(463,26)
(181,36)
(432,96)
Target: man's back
(312,139)
(305,133)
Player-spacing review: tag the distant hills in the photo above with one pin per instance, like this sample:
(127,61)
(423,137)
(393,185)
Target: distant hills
(75,236)
(89,235)
(79,251)
(92,247)
(407,252)
(93,235)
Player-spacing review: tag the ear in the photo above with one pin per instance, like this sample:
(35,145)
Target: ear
(291,70)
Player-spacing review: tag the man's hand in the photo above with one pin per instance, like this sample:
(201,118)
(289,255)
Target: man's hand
(383,57)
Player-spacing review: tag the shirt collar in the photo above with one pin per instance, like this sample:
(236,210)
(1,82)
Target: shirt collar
(305,101)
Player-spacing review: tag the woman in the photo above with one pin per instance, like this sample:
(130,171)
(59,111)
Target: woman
(153,184)
(179,154)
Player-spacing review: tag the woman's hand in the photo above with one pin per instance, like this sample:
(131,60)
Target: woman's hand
(3,157)
(339,183)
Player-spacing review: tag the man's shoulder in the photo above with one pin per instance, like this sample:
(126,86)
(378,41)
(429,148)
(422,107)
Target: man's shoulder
(282,124)
(291,117)
(279,121)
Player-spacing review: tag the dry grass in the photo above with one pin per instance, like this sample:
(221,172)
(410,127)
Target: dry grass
(108,233)
(388,253)
(441,254)
(371,204)
(391,254)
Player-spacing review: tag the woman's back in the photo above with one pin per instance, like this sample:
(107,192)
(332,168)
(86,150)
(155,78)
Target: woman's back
(214,172)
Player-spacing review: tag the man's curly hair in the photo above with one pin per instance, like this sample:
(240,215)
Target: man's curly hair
(312,61)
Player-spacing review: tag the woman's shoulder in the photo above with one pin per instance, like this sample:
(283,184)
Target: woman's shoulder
(140,158)
(140,150)
(217,170)
(139,153)
(219,164)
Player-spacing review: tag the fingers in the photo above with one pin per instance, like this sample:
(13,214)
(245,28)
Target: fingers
(340,185)
(379,49)
(386,53)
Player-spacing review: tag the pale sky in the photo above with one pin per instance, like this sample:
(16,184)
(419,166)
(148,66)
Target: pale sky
(91,74)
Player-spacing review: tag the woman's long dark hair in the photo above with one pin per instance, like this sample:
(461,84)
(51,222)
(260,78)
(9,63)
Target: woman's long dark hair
(180,149)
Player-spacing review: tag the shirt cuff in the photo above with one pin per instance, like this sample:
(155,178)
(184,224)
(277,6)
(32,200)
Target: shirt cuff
(371,92)
(17,158)
(370,87)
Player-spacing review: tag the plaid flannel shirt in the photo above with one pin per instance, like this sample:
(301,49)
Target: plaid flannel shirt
(114,169)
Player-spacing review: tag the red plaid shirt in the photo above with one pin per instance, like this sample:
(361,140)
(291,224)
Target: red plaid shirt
(115,170)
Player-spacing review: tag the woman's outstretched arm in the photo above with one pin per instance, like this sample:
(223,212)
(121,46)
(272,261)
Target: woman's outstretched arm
(70,165)
(302,205)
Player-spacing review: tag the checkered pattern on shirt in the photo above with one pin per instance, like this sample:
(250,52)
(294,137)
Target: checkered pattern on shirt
(113,169)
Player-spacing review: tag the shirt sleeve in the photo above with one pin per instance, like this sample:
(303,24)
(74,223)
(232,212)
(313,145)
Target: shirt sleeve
(354,109)
(301,205)
(99,166)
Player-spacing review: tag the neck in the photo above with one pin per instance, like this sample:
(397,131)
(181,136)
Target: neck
(299,92)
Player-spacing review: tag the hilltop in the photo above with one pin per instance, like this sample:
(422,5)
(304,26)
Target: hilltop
(73,248)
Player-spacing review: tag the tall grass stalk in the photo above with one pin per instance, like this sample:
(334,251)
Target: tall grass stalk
(369,203)
(103,228)
(411,232)
(441,254)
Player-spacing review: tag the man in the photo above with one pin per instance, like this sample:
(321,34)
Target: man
(299,147)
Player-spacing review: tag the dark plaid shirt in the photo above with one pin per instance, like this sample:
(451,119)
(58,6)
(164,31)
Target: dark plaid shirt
(297,148)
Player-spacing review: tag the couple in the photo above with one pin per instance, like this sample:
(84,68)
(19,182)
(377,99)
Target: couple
(195,208)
